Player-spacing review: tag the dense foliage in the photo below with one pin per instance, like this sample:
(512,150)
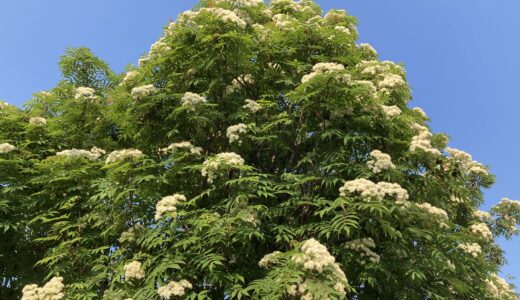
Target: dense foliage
(256,152)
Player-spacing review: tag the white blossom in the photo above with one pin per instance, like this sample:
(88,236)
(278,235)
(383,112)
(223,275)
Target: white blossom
(335,16)
(342,29)
(225,15)
(498,288)
(39,121)
(6,148)
(420,111)
(129,76)
(482,215)
(422,141)
(239,82)
(252,106)
(269,259)
(133,270)
(119,155)
(368,48)
(234,132)
(481,229)
(322,68)
(380,161)
(174,288)
(283,21)
(437,213)
(191,100)
(389,82)
(369,190)
(222,161)
(168,204)
(85,93)
(363,247)
(52,290)
(159,48)
(390,111)
(466,162)
(182,145)
(92,155)
(144,91)
(472,249)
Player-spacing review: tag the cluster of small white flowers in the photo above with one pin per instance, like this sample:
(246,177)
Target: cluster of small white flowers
(499,288)
(6,148)
(322,68)
(420,111)
(143,60)
(133,270)
(509,202)
(52,290)
(85,93)
(192,100)
(316,257)
(174,288)
(92,155)
(369,87)
(369,190)
(283,21)
(4,105)
(342,29)
(246,3)
(159,48)
(368,48)
(168,204)
(129,76)
(472,249)
(433,210)
(252,106)
(363,246)
(389,82)
(235,131)
(269,259)
(375,67)
(481,229)
(39,121)
(466,162)
(118,155)
(390,111)
(380,161)
(482,215)
(213,165)
(225,15)
(183,145)
(422,141)
(335,16)
(144,91)
(129,235)
(239,82)
(285,5)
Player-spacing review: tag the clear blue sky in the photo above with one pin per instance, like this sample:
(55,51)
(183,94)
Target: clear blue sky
(461,58)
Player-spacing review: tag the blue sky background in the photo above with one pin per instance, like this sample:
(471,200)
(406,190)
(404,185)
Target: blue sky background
(461,58)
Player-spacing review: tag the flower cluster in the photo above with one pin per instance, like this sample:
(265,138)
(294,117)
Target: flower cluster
(245,3)
(283,21)
(482,215)
(234,132)
(342,29)
(222,161)
(85,93)
(158,48)
(269,259)
(368,49)
(472,249)
(434,211)
(420,111)
(119,155)
(380,161)
(481,229)
(335,16)
(389,82)
(252,106)
(323,68)
(239,82)
(508,212)
(6,148)
(182,145)
(144,91)
(168,204)
(466,162)
(422,141)
(129,76)
(191,100)
(92,155)
(52,290)
(390,111)
(224,15)
(174,288)
(133,270)
(369,190)
(498,288)
(38,121)
(129,235)
(381,68)
(4,105)
(363,246)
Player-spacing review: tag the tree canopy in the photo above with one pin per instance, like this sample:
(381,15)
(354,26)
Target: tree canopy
(256,152)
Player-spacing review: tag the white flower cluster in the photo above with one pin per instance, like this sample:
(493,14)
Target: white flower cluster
(363,246)
(420,111)
(342,29)
(38,121)
(85,93)
(433,210)
(481,229)
(466,162)
(390,111)
(389,82)
(422,141)
(174,288)
(239,83)
(168,204)
(158,48)
(335,16)
(4,105)
(119,155)
(322,68)
(369,190)
(245,3)
(316,257)
(380,161)
(133,270)
(235,131)
(222,161)
(183,145)
(285,5)
(472,249)
(252,106)
(368,49)
(144,91)
(225,15)
(269,259)
(6,148)
(191,100)
(52,290)
(482,215)
(92,155)
(129,76)
(499,288)
(129,235)
(283,21)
